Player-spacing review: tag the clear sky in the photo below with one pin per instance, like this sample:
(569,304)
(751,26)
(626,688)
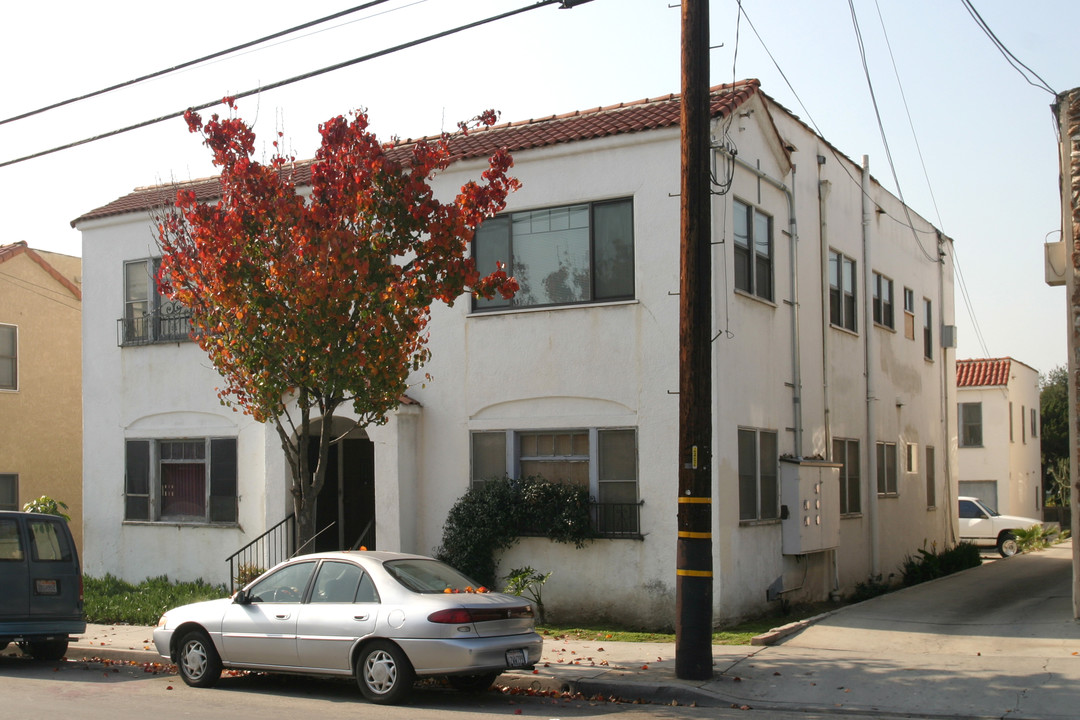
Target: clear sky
(986,134)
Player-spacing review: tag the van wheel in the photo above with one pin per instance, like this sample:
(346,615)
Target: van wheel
(45,649)
(1007,545)
(197,660)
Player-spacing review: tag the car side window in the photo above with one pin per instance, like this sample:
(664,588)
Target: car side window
(336,583)
(286,585)
(969,510)
(10,542)
(367,592)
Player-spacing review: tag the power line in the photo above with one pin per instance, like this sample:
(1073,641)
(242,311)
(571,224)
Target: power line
(298,78)
(1006,53)
(881,129)
(190,63)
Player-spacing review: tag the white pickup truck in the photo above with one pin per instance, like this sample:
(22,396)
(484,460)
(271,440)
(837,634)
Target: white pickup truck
(982,525)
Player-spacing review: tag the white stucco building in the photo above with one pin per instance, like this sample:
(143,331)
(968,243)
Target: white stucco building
(999,455)
(829,314)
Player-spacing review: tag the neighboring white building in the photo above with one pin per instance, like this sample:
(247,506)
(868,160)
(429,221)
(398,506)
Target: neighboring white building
(1000,457)
(828,347)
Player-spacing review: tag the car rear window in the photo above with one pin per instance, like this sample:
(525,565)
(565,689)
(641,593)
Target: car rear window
(427,576)
(48,543)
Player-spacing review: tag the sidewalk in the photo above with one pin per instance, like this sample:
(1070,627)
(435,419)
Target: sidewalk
(909,652)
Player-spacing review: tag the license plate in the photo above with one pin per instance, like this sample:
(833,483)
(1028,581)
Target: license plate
(515,658)
(45,587)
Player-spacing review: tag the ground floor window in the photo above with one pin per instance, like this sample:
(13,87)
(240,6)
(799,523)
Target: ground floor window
(181,480)
(886,468)
(604,460)
(759,481)
(9,491)
(846,452)
(931,478)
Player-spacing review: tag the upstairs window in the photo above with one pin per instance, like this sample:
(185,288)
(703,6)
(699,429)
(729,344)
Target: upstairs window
(909,313)
(883,301)
(841,291)
(149,316)
(9,357)
(846,452)
(566,255)
(970,424)
(886,468)
(928,332)
(753,251)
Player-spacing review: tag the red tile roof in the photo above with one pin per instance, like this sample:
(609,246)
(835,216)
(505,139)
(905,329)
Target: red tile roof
(983,372)
(7,252)
(631,117)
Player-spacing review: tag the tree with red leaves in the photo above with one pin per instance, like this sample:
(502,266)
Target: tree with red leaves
(308,304)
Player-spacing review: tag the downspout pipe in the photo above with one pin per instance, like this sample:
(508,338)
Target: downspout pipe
(824,188)
(793,242)
(871,397)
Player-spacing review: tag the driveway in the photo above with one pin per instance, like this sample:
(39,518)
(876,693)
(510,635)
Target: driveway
(997,640)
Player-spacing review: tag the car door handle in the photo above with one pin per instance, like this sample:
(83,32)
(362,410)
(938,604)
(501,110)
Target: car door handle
(283,616)
(360,617)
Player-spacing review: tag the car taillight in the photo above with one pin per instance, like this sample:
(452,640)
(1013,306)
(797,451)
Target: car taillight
(455,616)
(463,616)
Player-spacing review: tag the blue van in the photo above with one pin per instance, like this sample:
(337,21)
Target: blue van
(41,588)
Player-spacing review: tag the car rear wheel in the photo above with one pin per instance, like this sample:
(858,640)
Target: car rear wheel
(197,660)
(384,673)
(45,649)
(472,683)
(1007,545)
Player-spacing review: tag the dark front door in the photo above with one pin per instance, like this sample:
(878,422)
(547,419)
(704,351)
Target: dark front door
(345,512)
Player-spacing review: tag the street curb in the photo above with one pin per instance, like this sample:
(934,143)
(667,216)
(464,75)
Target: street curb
(625,691)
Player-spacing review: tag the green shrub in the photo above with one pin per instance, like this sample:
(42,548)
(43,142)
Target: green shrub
(492,516)
(931,564)
(869,589)
(530,583)
(110,600)
(47,506)
(1038,537)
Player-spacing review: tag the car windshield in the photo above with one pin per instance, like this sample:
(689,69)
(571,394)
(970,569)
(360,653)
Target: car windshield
(427,576)
(992,511)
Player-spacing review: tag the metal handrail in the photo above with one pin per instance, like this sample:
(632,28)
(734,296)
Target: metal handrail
(262,553)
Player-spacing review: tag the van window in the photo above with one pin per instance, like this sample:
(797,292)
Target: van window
(48,542)
(10,542)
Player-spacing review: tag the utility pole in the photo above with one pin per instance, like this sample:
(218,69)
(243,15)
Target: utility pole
(694,566)
(1067,110)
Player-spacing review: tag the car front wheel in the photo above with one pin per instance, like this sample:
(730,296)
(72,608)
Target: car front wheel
(384,673)
(197,660)
(1007,545)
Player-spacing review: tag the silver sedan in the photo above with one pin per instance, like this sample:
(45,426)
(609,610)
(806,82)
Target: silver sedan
(386,618)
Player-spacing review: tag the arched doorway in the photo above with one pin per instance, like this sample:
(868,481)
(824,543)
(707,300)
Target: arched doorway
(345,509)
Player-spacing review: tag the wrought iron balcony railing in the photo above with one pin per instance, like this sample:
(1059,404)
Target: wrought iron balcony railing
(168,324)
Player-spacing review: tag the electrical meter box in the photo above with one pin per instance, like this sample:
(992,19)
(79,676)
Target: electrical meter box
(809,505)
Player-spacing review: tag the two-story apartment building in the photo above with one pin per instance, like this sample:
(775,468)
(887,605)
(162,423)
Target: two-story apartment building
(832,387)
(40,379)
(999,455)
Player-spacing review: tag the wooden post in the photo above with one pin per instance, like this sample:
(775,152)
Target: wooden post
(694,576)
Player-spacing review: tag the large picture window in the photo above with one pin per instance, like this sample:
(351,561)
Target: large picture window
(603,460)
(753,251)
(842,291)
(9,357)
(181,480)
(565,255)
(759,481)
(149,316)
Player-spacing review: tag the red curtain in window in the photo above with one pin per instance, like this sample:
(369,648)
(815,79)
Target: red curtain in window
(183,489)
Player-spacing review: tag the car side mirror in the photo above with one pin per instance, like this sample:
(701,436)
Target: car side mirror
(242,597)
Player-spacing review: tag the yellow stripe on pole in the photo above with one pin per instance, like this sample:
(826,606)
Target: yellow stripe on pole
(694,573)
(684,500)
(695,535)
